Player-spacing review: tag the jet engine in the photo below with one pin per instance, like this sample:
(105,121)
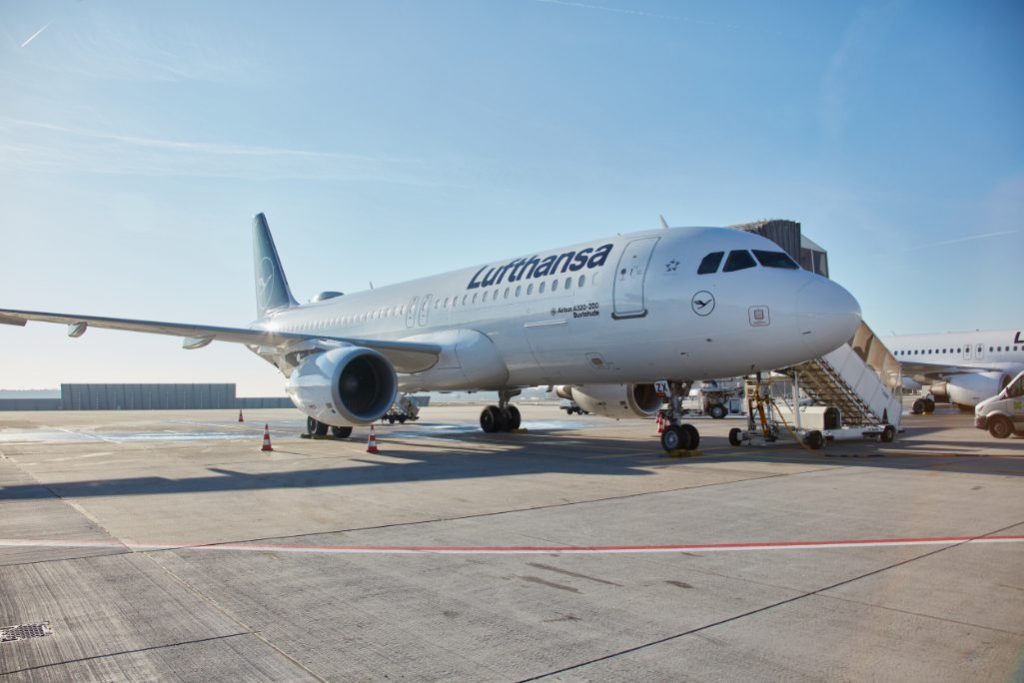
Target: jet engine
(344,386)
(969,390)
(614,400)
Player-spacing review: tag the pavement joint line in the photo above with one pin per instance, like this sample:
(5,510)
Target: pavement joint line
(922,614)
(462,517)
(229,615)
(749,613)
(122,652)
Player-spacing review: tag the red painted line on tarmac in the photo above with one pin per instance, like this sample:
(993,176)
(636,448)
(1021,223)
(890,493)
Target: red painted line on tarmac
(520,550)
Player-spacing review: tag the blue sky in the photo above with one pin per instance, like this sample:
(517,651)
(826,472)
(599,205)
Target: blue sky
(387,140)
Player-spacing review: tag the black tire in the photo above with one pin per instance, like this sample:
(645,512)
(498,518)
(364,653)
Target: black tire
(918,407)
(814,440)
(341,432)
(735,436)
(693,436)
(512,418)
(929,406)
(888,434)
(675,439)
(401,419)
(1000,427)
(491,420)
(315,427)
(717,411)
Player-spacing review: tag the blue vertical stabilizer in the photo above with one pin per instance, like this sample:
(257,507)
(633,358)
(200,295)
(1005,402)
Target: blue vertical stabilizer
(271,284)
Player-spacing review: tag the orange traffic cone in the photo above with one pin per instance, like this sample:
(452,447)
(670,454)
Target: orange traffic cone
(240,415)
(266,438)
(371,444)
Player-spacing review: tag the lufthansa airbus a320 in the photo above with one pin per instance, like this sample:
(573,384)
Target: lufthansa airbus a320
(605,319)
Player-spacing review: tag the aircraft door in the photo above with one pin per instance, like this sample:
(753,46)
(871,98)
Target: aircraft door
(629,279)
(425,310)
(411,312)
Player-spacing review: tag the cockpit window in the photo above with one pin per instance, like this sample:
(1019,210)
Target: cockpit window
(738,260)
(710,263)
(775,259)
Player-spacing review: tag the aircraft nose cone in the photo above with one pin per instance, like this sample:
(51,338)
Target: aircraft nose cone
(827,316)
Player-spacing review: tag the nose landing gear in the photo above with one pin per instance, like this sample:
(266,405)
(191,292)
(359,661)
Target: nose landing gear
(677,436)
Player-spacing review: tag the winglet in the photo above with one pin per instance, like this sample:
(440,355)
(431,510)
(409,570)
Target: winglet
(271,284)
(664,224)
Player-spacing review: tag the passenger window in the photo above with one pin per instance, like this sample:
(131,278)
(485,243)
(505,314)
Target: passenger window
(506,292)
(581,281)
(529,289)
(540,289)
(554,286)
(710,263)
(519,290)
(775,259)
(738,260)
(483,299)
(568,283)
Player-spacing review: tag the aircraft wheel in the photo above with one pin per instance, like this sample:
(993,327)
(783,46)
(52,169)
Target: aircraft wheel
(491,420)
(512,418)
(814,440)
(717,411)
(735,436)
(315,427)
(693,436)
(341,432)
(1000,427)
(401,419)
(929,406)
(675,439)
(888,434)
(918,407)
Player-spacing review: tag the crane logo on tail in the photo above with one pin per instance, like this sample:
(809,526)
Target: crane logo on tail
(265,281)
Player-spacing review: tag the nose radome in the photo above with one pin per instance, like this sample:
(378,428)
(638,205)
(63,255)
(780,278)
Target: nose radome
(827,316)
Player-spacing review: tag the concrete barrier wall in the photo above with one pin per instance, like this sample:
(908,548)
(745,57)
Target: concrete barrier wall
(144,397)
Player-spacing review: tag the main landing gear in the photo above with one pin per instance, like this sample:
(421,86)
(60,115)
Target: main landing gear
(678,436)
(503,417)
(317,428)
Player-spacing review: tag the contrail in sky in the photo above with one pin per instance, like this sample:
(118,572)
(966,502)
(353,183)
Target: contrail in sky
(966,239)
(36,34)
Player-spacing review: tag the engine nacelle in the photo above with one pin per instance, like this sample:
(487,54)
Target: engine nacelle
(614,400)
(344,386)
(970,390)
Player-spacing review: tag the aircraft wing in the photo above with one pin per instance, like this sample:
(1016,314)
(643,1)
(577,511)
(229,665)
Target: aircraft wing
(939,372)
(405,356)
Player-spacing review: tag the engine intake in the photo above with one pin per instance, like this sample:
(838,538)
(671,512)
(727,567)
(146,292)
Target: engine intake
(344,386)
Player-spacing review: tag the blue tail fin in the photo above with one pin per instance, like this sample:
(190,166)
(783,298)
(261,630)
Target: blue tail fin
(271,284)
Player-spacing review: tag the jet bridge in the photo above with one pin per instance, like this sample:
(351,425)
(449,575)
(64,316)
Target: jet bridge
(861,380)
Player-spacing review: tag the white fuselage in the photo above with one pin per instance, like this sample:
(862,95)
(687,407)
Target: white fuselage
(985,350)
(631,308)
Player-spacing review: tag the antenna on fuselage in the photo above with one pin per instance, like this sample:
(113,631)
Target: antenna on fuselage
(664,224)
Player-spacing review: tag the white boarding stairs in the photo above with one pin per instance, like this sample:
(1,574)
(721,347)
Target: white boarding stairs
(861,378)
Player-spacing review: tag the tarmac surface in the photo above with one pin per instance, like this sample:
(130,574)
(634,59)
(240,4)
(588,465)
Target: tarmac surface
(166,546)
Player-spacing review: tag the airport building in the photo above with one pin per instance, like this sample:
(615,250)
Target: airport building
(787,234)
(144,397)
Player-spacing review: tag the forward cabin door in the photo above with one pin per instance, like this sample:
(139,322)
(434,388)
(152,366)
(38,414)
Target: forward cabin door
(629,279)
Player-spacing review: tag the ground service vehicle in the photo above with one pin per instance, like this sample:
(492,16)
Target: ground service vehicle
(1003,414)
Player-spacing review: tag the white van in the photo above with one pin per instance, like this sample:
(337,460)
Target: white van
(1003,414)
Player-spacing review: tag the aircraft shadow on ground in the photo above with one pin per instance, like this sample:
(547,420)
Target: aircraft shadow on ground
(425,461)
